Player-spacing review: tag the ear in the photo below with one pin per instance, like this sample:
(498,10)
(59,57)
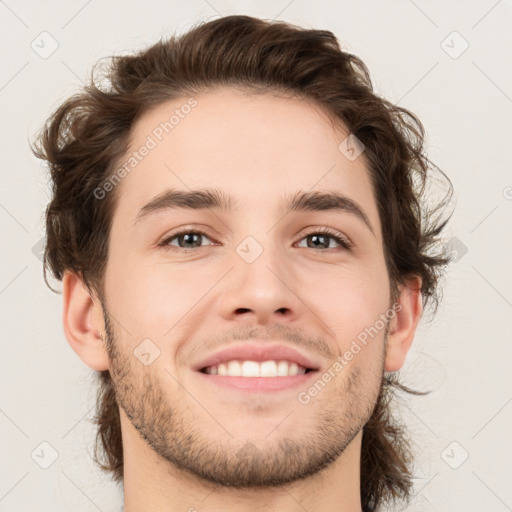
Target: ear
(402,326)
(82,318)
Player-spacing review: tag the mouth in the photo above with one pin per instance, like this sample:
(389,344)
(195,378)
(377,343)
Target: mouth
(258,366)
(259,376)
(252,369)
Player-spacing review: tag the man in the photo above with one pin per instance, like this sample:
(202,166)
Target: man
(236,222)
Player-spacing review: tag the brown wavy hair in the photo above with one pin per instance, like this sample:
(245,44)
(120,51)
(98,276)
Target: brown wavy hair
(86,137)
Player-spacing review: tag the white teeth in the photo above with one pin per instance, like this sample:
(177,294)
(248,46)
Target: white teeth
(268,369)
(282,369)
(250,369)
(293,369)
(234,369)
(255,369)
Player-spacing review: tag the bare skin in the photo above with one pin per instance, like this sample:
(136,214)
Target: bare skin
(189,443)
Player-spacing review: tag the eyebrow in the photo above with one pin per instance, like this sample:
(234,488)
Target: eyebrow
(208,198)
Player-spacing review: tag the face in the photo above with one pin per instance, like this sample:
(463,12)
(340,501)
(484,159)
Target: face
(187,279)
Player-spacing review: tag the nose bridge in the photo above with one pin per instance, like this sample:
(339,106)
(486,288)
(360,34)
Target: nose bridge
(259,258)
(259,280)
(260,245)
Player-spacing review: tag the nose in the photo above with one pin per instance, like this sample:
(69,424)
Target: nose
(263,291)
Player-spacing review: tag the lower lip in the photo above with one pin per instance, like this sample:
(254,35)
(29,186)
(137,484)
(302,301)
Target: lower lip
(259,383)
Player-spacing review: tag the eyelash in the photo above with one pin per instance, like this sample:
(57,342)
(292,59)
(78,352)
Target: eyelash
(343,242)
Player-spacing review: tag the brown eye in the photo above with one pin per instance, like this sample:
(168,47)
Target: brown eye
(323,239)
(185,240)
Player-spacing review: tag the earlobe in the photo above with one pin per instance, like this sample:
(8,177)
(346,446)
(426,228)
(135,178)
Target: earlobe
(403,325)
(83,322)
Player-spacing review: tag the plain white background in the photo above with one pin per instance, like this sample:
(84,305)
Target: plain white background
(461,430)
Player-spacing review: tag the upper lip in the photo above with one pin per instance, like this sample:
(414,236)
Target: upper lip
(258,352)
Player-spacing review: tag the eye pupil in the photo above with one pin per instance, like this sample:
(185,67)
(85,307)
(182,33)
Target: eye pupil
(187,238)
(315,238)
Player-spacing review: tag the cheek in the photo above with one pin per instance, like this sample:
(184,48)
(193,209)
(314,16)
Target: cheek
(134,295)
(151,299)
(348,299)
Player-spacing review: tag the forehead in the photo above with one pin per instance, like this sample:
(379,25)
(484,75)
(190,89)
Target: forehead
(258,148)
